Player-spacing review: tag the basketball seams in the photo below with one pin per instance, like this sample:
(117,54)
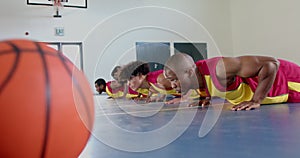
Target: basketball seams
(27,51)
(5,52)
(52,124)
(14,67)
(64,61)
(48,98)
(24,50)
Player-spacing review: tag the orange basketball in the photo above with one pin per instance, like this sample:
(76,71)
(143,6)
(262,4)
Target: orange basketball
(46,103)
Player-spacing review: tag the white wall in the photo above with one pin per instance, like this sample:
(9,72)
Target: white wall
(266,27)
(151,21)
(109,28)
(17,18)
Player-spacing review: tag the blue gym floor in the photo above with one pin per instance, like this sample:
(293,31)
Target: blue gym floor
(271,131)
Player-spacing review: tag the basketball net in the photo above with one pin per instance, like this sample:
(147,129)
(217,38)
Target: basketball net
(57,4)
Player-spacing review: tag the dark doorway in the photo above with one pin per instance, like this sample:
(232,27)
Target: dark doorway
(155,53)
(198,51)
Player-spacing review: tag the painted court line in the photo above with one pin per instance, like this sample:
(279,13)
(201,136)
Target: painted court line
(148,111)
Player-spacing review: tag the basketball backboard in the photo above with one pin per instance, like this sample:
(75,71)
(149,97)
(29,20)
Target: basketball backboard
(69,3)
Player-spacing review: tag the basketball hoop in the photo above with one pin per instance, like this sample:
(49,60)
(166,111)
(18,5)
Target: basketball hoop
(58,5)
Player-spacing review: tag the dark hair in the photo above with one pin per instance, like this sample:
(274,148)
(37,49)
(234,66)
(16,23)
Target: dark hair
(100,82)
(134,68)
(114,71)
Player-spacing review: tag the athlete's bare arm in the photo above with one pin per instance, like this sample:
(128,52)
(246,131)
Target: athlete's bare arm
(163,82)
(249,66)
